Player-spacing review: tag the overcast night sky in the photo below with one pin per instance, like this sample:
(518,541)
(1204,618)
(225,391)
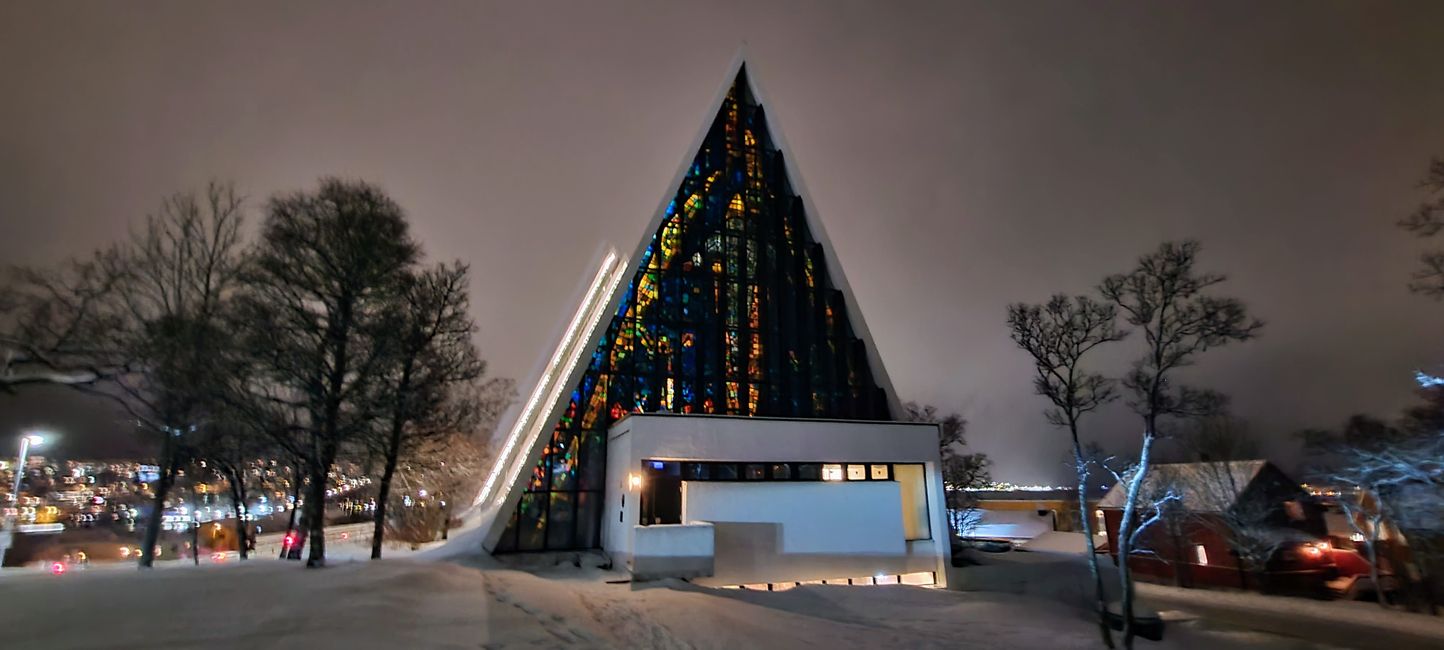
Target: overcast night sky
(962,155)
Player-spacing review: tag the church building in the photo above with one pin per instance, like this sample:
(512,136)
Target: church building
(716,409)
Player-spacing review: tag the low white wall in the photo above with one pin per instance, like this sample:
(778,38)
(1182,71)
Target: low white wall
(818,517)
(783,532)
(672,551)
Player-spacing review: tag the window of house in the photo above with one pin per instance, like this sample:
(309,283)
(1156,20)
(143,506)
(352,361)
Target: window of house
(754,471)
(914,500)
(809,472)
(857,472)
(879,472)
(832,472)
(781,471)
(1200,553)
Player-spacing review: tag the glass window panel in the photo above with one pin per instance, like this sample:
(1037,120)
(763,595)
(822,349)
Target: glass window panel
(589,507)
(724,471)
(531,522)
(563,462)
(560,521)
(879,472)
(916,522)
(809,471)
(832,472)
(592,470)
(857,472)
(755,471)
(697,471)
(781,471)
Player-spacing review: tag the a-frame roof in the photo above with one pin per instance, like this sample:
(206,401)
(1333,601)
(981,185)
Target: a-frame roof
(528,436)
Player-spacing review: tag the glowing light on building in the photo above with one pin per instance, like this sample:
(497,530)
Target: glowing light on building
(562,362)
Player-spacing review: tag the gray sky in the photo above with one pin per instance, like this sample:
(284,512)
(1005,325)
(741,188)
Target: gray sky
(962,155)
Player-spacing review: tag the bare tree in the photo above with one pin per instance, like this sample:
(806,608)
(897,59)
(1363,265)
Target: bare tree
(1393,479)
(963,472)
(1057,335)
(438,473)
(138,324)
(319,309)
(1426,221)
(56,324)
(1163,297)
(433,354)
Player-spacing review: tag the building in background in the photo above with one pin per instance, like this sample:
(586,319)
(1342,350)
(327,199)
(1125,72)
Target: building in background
(1224,509)
(716,408)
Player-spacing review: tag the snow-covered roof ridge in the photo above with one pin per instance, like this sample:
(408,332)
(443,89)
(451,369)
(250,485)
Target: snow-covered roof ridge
(1203,486)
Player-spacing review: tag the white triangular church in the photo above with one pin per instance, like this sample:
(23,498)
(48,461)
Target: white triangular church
(716,408)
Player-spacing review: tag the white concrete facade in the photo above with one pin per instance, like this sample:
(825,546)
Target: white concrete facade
(776,531)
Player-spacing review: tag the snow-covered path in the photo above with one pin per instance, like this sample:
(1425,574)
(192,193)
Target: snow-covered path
(479,604)
(1349,624)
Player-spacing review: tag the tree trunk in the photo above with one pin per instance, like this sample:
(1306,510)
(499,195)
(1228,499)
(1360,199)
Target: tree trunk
(393,454)
(383,491)
(296,471)
(1374,565)
(1125,533)
(316,505)
(238,501)
(157,510)
(1102,600)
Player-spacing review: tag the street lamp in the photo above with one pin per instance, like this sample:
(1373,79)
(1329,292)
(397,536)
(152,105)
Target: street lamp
(26,442)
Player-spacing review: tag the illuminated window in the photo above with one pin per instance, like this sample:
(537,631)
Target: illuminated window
(857,472)
(879,472)
(922,578)
(1201,553)
(914,500)
(832,472)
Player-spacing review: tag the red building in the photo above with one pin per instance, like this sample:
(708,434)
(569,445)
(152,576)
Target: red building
(1240,524)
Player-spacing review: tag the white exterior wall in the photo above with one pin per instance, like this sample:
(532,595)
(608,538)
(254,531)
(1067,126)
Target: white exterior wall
(792,512)
(623,511)
(673,551)
(863,517)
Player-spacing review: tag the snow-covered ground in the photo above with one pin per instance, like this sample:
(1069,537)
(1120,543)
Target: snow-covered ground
(476,602)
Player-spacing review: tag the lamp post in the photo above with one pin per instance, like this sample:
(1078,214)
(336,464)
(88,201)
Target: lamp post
(26,442)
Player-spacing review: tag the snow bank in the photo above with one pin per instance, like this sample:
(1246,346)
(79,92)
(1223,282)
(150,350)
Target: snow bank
(1058,542)
(1009,524)
(1350,623)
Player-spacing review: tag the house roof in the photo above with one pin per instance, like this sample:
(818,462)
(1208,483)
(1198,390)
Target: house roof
(1204,487)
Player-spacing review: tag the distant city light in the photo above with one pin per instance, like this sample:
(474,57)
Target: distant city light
(1427,380)
(1009,487)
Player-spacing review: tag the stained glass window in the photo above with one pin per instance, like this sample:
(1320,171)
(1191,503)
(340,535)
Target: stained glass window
(730,312)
